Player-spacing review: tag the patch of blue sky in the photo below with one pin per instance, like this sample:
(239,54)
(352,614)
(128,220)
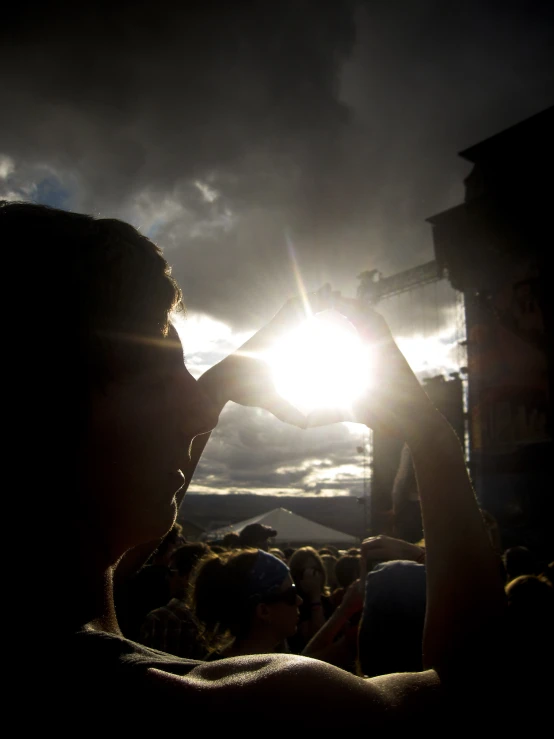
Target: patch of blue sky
(154,229)
(50,191)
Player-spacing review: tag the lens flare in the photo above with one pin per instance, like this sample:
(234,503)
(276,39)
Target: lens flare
(322,364)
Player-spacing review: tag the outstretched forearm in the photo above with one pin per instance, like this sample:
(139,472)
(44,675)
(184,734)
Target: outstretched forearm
(325,636)
(465,595)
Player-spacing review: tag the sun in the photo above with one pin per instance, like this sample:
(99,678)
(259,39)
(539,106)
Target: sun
(321,364)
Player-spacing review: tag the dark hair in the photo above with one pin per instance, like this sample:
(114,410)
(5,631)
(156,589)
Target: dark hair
(297,564)
(102,275)
(530,617)
(520,561)
(92,300)
(347,569)
(102,290)
(231,540)
(218,595)
(170,540)
(186,556)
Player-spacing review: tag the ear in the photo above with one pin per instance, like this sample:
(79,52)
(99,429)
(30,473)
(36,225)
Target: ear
(263,612)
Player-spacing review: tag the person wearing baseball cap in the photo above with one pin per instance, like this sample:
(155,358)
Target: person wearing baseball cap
(256,536)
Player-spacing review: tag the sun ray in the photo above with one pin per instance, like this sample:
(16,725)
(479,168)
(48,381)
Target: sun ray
(298,277)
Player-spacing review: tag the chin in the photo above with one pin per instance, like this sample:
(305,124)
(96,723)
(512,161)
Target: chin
(157,525)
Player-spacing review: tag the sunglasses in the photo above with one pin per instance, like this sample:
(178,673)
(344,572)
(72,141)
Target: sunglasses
(288,596)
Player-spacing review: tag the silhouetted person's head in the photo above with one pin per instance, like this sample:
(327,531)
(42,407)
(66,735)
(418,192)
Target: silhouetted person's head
(231,540)
(530,617)
(330,563)
(307,559)
(182,562)
(115,409)
(347,569)
(391,629)
(173,539)
(256,536)
(520,561)
(245,594)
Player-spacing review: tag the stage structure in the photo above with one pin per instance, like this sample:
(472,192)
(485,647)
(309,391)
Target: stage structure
(496,248)
(493,251)
(420,306)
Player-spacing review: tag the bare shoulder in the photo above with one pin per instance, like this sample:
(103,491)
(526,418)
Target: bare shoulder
(335,697)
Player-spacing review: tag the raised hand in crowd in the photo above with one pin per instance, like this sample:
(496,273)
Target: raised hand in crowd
(336,640)
(386,548)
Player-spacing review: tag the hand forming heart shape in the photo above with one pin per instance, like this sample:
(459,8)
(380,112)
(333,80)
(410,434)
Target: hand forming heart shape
(394,404)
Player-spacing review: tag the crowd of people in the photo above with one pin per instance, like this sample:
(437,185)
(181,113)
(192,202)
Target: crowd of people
(361,609)
(429,639)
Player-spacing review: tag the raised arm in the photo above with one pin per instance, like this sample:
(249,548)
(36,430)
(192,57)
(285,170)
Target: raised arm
(465,600)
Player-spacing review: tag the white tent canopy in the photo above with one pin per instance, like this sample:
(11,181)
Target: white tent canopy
(291,529)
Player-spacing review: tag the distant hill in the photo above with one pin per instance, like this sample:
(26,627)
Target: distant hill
(212,511)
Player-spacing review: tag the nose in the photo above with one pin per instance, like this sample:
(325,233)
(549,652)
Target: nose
(299,601)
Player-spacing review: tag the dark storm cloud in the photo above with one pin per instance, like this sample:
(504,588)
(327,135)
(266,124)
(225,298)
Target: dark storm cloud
(150,97)
(345,145)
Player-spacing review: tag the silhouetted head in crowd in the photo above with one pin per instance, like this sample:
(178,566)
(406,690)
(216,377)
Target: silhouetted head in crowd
(231,540)
(256,536)
(173,539)
(347,569)
(330,563)
(531,599)
(288,552)
(246,595)
(520,561)
(218,548)
(391,628)
(182,563)
(530,619)
(307,559)
(115,382)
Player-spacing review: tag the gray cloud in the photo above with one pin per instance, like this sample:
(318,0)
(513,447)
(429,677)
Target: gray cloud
(335,122)
(252,450)
(224,129)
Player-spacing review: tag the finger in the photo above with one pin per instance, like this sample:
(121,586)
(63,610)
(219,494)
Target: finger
(369,323)
(326,416)
(285,411)
(321,299)
(376,554)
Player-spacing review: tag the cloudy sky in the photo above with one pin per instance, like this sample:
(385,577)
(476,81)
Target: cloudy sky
(259,140)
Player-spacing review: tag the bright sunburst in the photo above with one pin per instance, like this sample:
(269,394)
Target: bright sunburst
(322,364)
